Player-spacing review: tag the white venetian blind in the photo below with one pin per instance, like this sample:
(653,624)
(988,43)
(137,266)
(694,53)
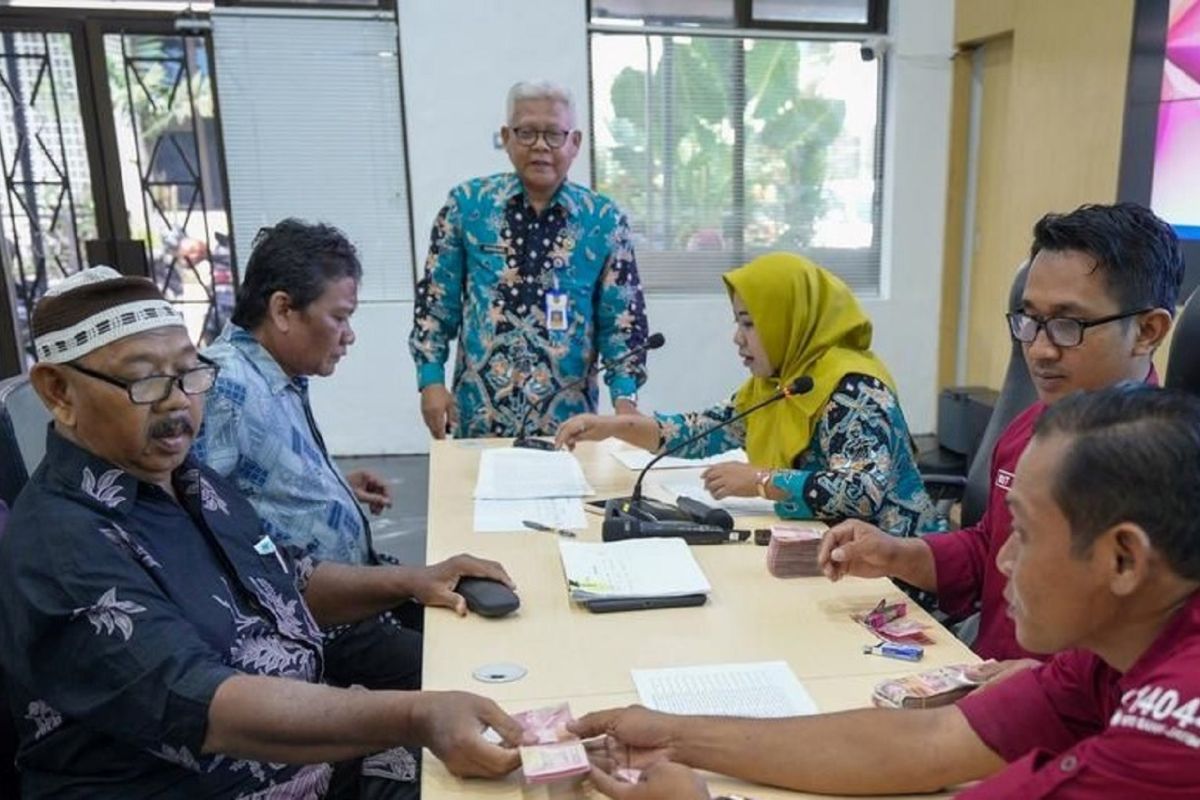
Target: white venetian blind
(310,110)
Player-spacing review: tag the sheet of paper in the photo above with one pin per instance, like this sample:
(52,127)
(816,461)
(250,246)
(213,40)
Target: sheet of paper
(657,567)
(511,473)
(636,459)
(763,689)
(494,516)
(690,485)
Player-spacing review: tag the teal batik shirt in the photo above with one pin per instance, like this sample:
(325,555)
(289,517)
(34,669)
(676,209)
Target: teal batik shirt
(858,465)
(492,261)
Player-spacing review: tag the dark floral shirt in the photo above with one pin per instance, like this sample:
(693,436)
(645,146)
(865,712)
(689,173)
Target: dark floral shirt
(858,465)
(492,260)
(122,611)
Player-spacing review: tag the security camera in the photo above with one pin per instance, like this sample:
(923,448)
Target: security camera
(872,48)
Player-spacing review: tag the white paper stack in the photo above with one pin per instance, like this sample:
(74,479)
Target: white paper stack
(515,485)
(634,568)
(692,486)
(512,473)
(495,516)
(765,689)
(636,459)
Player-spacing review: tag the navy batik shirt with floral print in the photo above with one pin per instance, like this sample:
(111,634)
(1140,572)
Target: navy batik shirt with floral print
(492,260)
(122,611)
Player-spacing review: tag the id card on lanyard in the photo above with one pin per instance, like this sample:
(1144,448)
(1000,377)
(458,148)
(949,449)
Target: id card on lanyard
(558,308)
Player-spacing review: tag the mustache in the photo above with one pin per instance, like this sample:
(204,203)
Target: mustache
(171,426)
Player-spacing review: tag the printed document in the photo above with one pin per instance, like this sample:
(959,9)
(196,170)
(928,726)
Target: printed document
(764,689)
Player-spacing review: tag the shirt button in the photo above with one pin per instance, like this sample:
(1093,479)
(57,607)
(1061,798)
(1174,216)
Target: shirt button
(1068,763)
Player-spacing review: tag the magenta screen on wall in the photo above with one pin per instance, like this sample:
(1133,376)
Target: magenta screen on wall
(1175,187)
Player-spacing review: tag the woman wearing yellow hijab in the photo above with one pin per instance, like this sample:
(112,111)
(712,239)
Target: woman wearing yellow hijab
(840,451)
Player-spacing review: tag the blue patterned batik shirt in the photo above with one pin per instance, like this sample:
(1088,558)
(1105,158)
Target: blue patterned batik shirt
(122,610)
(492,261)
(858,465)
(260,433)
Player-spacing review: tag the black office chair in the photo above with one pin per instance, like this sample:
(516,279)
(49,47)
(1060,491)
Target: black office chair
(1183,362)
(10,779)
(1016,394)
(23,421)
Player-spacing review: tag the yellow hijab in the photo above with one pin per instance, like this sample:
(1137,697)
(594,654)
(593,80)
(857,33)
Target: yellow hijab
(810,324)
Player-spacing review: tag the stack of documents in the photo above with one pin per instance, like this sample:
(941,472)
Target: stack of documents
(515,485)
(636,459)
(634,568)
(690,485)
(766,689)
(513,473)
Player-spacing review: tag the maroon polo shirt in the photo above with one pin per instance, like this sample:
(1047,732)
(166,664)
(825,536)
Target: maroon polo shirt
(1076,728)
(965,560)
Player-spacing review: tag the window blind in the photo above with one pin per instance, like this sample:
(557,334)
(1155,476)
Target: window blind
(312,123)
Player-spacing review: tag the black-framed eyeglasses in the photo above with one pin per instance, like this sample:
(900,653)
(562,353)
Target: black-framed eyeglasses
(1061,331)
(156,388)
(555,137)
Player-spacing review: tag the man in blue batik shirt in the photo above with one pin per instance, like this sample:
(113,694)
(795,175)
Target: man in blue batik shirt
(536,277)
(292,321)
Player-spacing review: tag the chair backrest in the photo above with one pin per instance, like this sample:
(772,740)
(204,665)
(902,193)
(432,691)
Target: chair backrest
(1183,362)
(1016,395)
(23,421)
(10,781)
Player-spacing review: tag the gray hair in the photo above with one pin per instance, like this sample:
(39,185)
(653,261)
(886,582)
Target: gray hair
(538,90)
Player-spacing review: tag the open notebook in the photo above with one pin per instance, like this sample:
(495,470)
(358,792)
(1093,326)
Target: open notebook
(633,574)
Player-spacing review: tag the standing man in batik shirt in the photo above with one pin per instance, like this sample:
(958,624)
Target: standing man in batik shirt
(536,277)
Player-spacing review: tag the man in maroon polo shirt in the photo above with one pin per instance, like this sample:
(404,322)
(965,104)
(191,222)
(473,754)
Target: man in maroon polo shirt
(1103,568)
(1101,292)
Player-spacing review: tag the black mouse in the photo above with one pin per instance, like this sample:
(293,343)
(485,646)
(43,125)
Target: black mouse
(488,598)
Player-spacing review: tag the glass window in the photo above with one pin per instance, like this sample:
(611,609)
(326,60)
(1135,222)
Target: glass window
(819,12)
(720,148)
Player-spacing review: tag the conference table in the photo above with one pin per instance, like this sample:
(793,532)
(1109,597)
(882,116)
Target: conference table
(585,659)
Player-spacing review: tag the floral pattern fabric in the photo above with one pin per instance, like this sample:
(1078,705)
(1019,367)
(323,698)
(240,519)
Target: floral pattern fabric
(859,464)
(492,261)
(121,612)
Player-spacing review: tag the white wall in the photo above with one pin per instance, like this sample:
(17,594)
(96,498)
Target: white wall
(459,58)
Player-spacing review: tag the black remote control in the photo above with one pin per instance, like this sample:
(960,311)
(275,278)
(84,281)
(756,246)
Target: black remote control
(488,598)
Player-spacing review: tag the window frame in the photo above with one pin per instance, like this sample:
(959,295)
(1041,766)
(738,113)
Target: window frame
(786,31)
(301,5)
(744,19)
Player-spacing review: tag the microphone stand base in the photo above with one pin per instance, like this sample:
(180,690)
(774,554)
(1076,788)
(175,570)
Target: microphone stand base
(530,443)
(626,519)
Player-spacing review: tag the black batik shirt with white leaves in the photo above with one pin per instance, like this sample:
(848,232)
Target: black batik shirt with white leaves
(122,611)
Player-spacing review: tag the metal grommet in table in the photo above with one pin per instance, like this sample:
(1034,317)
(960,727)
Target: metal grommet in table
(500,672)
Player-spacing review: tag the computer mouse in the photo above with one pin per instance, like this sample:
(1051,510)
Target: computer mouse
(488,598)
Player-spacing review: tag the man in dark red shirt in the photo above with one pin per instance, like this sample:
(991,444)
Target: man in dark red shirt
(1101,292)
(1103,568)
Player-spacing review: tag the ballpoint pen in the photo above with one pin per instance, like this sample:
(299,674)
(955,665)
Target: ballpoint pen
(537,526)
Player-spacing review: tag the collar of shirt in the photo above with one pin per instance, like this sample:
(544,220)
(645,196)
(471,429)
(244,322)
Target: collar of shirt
(261,359)
(1179,631)
(568,195)
(84,476)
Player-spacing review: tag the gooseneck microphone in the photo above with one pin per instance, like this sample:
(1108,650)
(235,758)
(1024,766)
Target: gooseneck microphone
(653,342)
(634,517)
(802,385)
